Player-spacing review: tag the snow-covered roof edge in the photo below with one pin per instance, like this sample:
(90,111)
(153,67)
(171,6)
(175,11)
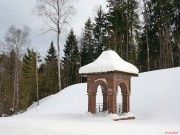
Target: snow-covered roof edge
(109,61)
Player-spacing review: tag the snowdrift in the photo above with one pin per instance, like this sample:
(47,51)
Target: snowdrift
(155,99)
(154,94)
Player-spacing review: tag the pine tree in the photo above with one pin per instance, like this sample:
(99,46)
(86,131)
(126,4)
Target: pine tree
(71,60)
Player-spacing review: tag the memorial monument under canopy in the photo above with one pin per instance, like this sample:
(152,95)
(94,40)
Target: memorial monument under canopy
(109,71)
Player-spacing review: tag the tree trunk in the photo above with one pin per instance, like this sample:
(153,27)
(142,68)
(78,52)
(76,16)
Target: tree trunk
(59,62)
(14,91)
(58,46)
(147,43)
(127,44)
(17,90)
(37,83)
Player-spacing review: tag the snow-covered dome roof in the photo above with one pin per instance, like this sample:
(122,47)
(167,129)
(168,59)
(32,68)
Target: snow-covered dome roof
(109,61)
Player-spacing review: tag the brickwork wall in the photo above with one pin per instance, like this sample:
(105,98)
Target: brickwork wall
(109,83)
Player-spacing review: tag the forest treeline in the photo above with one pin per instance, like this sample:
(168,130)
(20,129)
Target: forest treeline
(149,39)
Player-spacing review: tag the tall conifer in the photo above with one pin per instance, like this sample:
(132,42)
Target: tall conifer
(87,44)
(51,79)
(71,60)
(100,32)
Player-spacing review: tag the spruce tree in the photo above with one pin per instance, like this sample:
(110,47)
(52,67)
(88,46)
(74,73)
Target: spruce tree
(100,32)
(71,60)
(28,93)
(42,80)
(51,53)
(87,44)
(51,71)
(123,28)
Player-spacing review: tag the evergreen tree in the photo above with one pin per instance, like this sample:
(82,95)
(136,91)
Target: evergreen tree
(42,80)
(148,57)
(176,32)
(51,71)
(162,20)
(28,93)
(123,28)
(71,60)
(158,33)
(51,56)
(87,44)
(100,32)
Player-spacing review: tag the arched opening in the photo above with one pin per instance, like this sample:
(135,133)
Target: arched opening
(99,99)
(125,97)
(101,96)
(119,100)
(112,93)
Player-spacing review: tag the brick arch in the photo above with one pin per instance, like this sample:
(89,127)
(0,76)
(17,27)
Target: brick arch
(125,91)
(103,84)
(105,90)
(109,83)
(123,86)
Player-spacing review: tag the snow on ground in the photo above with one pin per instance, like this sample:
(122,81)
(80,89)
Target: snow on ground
(155,99)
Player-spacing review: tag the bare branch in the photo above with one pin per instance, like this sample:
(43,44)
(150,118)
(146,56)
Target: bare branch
(45,32)
(57,13)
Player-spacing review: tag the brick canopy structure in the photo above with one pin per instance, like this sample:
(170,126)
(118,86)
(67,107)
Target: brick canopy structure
(109,71)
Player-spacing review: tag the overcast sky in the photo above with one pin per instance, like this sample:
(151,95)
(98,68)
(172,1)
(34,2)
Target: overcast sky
(19,13)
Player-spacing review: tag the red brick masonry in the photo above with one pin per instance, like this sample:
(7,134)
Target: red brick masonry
(109,83)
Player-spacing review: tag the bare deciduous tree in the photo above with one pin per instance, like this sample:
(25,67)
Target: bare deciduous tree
(57,12)
(16,40)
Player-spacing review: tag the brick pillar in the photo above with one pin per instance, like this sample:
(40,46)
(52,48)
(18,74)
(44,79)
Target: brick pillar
(105,101)
(92,102)
(126,102)
(112,103)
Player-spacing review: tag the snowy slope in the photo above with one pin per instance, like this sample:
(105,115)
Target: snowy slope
(155,100)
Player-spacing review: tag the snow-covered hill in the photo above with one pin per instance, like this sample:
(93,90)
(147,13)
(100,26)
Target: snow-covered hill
(155,101)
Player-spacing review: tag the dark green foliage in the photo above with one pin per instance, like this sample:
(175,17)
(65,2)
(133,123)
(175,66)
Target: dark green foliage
(71,60)
(100,32)
(28,80)
(87,44)
(51,54)
(42,81)
(123,28)
(163,35)
(51,72)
